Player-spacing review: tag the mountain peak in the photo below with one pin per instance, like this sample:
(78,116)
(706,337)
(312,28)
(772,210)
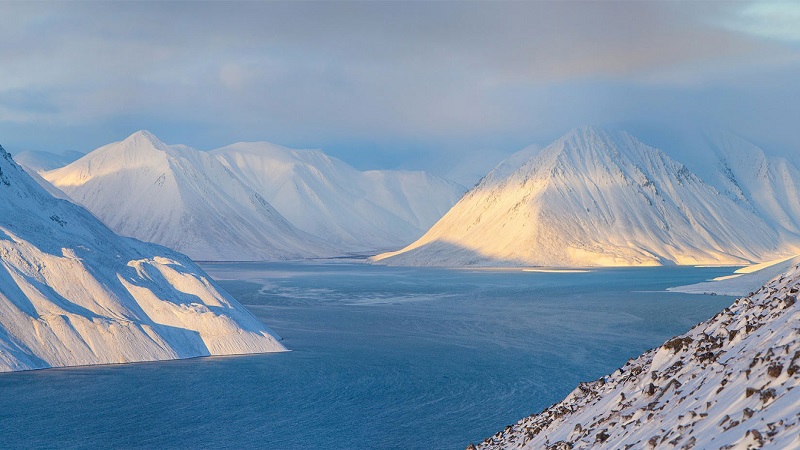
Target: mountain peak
(144,139)
(589,136)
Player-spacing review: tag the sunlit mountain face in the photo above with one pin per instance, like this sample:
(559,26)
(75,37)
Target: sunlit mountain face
(599,198)
(74,293)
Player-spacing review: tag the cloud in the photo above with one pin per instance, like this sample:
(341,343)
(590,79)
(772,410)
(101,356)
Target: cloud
(771,19)
(447,76)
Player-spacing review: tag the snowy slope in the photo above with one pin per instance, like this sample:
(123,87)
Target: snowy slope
(356,210)
(767,185)
(184,199)
(595,198)
(38,161)
(730,382)
(74,293)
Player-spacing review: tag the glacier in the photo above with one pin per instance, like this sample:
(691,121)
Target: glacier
(72,292)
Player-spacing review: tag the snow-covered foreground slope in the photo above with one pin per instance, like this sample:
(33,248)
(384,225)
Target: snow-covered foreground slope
(74,293)
(184,199)
(325,197)
(730,382)
(742,281)
(595,198)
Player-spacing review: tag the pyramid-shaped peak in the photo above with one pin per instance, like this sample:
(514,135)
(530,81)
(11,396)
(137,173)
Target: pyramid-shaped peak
(598,141)
(591,135)
(144,139)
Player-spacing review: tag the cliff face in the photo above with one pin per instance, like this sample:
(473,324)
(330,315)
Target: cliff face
(730,382)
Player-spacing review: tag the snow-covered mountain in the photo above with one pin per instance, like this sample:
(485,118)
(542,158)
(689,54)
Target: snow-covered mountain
(251,201)
(184,199)
(596,198)
(321,195)
(767,185)
(732,381)
(38,161)
(74,293)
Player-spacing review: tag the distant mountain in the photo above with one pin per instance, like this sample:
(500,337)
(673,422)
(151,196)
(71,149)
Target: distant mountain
(730,382)
(597,198)
(184,199)
(766,185)
(252,201)
(38,161)
(323,196)
(74,293)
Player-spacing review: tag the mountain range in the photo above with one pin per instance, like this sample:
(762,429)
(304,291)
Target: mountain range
(251,201)
(602,198)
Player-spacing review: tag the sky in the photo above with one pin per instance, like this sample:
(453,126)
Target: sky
(443,86)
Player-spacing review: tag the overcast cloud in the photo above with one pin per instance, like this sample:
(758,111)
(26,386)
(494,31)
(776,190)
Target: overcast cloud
(395,84)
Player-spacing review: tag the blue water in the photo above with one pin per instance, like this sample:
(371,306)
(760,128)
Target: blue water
(382,358)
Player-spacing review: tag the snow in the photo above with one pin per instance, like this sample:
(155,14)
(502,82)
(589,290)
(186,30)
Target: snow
(184,199)
(730,382)
(596,198)
(742,281)
(358,211)
(74,293)
(767,185)
(251,201)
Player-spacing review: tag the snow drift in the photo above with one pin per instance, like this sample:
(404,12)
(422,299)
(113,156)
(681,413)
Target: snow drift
(742,281)
(74,293)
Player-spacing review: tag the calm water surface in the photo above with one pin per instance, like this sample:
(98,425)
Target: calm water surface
(382,358)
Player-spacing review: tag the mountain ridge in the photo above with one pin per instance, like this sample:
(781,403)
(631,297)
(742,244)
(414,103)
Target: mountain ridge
(181,198)
(258,201)
(594,198)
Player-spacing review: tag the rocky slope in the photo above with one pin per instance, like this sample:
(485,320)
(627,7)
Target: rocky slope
(730,382)
(74,293)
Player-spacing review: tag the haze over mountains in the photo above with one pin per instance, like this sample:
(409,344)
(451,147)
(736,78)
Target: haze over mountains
(40,161)
(600,198)
(74,293)
(253,201)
